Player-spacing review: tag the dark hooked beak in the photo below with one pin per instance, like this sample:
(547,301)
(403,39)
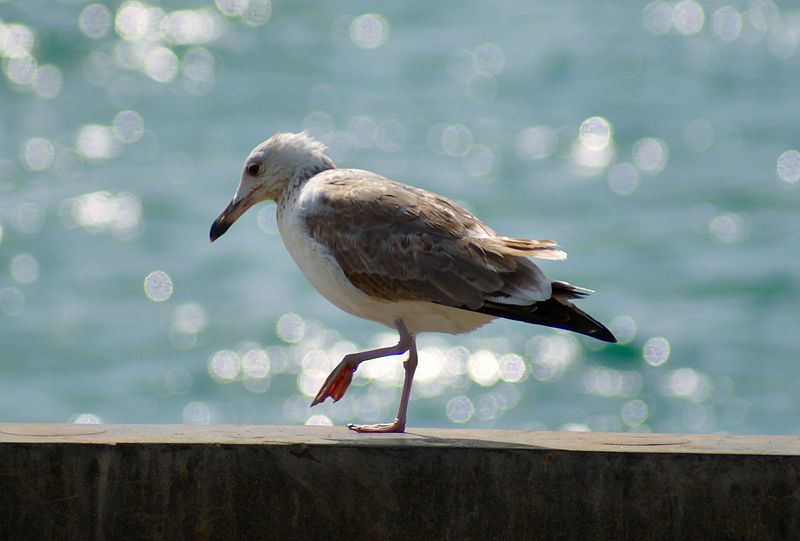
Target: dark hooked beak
(226,218)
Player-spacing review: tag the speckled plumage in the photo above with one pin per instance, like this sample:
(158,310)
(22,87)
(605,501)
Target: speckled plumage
(399,255)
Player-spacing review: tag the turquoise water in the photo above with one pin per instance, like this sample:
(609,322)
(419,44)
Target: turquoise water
(656,142)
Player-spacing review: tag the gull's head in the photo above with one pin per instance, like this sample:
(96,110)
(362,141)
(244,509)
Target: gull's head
(269,170)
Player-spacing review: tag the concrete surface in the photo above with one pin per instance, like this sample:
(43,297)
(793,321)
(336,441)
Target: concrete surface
(272,482)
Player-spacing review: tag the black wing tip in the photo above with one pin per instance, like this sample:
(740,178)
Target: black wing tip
(560,314)
(602,333)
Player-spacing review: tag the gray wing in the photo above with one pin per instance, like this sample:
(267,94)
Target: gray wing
(397,242)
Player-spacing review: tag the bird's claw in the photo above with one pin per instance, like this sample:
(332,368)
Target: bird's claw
(395,426)
(336,384)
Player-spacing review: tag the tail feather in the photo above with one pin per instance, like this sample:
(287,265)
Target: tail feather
(556,312)
(542,249)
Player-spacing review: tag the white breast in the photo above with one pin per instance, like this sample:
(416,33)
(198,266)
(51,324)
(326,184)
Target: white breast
(323,271)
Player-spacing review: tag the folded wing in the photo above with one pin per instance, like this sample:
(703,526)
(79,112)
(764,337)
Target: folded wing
(397,242)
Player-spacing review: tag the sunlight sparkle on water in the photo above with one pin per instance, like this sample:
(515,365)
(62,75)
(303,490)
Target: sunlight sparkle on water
(290,328)
(161,64)
(38,154)
(24,268)
(687,383)
(650,155)
(624,328)
(479,162)
(688,17)
(623,178)
(319,420)
(656,351)
(608,382)
(513,368)
(483,368)
(552,355)
(593,150)
(197,413)
(727,228)
(100,211)
(251,12)
(128,126)
(726,23)
(96,142)
(95,21)
(85,419)
(788,166)
(536,142)
(158,286)
(634,413)
(460,409)
(657,17)
(190,318)
(369,31)
(256,364)
(224,366)
(47,82)
(456,140)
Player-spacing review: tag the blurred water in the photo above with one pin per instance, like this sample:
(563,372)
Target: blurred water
(658,143)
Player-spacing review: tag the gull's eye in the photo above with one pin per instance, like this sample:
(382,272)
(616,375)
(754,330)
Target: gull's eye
(253,169)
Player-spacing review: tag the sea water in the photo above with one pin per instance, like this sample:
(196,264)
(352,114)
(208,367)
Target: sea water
(656,142)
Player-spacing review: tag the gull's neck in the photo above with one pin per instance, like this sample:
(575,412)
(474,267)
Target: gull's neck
(302,174)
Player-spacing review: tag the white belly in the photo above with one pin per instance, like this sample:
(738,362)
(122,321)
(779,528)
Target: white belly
(323,271)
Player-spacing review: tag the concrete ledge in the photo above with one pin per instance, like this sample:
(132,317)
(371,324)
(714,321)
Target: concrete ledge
(268,482)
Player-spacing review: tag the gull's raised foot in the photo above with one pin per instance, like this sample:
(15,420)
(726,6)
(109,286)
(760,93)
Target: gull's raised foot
(395,426)
(337,382)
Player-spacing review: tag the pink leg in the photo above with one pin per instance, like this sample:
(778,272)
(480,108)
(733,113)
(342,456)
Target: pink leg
(399,423)
(339,379)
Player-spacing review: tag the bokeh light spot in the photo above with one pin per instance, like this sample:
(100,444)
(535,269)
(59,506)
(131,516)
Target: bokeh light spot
(257,12)
(369,31)
(512,368)
(291,328)
(657,17)
(158,286)
(190,318)
(456,140)
(224,366)
(256,364)
(624,329)
(623,178)
(536,142)
(459,409)
(726,22)
(47,82)
(197,413)
(595,133)
(128,126)
(788,166)
(727,228)
(95,21)
(656,351)
(38,153)
(688,17)
(161,64)
(650,155)
(483,368)
(634,413)
(96,142)
(24,268)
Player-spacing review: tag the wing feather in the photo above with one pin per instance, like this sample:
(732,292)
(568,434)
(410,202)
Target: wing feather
(397,242)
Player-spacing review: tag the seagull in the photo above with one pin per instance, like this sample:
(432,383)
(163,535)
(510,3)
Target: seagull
(398,255)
